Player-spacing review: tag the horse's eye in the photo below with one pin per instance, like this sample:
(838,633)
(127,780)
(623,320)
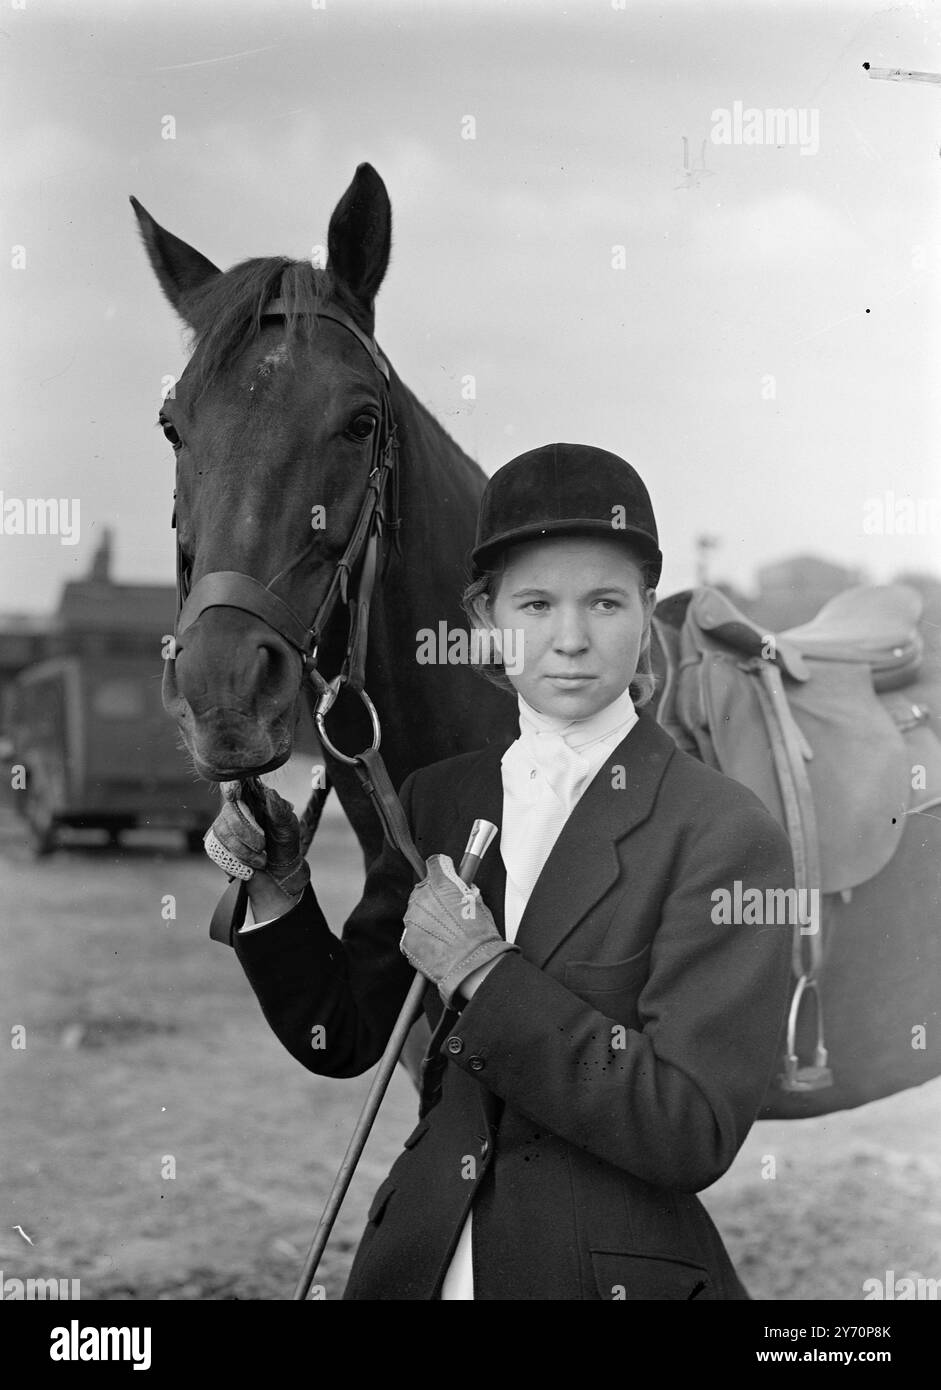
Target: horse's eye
(362,427)
(171,436)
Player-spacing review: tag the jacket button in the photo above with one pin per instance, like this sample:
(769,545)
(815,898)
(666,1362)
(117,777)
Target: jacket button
(477,1064)
(455,1045)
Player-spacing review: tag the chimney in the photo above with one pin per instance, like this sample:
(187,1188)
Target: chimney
(100,570)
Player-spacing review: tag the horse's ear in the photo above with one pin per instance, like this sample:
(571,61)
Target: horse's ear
(360,236)
(179,268)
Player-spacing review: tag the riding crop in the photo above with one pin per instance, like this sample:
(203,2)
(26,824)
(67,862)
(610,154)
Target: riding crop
(481,835)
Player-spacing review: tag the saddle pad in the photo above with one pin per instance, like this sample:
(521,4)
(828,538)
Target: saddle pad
(859,771)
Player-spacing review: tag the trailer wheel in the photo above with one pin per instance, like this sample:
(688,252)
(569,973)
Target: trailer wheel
(41,821)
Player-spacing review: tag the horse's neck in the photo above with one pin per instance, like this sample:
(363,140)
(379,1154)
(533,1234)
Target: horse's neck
(438,481)
(429,711)
(439,492)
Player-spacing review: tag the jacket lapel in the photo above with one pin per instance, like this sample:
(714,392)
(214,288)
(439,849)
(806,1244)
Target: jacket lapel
(480,797)
(583,862)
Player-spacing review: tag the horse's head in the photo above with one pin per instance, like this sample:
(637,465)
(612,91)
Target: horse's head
(274,425)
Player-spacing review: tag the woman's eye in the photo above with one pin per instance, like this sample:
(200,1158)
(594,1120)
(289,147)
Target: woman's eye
(535,605)
(362,427)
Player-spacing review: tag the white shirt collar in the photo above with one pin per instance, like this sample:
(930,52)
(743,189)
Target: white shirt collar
(579,733)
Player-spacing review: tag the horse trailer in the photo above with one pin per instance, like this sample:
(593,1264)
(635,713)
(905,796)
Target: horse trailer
(92,746)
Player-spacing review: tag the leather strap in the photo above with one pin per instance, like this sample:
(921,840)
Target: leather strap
(310,819)
(278,307)
(354,665)
(375,781)
(229,914)
(232,589)
(787,750)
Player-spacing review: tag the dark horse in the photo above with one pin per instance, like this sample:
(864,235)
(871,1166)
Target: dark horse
(273,421)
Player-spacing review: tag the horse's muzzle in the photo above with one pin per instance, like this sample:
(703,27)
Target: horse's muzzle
(237,716)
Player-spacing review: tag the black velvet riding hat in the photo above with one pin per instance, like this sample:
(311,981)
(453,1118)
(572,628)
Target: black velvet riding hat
(565,489)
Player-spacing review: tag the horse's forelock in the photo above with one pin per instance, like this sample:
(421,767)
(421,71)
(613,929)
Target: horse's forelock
(225,315)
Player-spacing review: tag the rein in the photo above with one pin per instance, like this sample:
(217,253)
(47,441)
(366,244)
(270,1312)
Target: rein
(351,585)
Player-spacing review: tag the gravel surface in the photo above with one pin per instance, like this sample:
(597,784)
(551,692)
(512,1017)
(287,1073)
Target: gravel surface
(146,1054)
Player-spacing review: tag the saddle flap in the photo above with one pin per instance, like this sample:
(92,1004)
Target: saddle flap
(859,773)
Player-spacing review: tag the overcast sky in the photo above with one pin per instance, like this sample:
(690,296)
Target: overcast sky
(728,353)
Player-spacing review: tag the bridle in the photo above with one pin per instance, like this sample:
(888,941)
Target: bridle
(233,589)
(351,584)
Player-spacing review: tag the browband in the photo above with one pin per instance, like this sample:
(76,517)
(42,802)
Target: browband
(278,307)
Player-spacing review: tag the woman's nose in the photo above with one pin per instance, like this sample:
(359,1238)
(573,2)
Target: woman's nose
(571,634)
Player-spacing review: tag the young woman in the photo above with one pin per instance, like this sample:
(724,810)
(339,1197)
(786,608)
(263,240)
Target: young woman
(602,1045)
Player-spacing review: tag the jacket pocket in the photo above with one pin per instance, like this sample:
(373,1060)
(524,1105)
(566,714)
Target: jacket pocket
(625,1276)
(598,977)
(380,1201)
(417,1133)
(386,1188)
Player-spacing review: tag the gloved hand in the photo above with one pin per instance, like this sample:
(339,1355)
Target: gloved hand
(449,932)
(241,842)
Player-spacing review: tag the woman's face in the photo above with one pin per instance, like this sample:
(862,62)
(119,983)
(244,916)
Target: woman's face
(581,607)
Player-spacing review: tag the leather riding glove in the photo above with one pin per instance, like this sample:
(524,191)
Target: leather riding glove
(449,932)
(241,842)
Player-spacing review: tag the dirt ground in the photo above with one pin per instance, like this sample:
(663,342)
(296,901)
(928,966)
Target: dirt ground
(146,1053)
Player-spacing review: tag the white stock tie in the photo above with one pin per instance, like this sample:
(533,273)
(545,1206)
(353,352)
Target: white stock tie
(544,773)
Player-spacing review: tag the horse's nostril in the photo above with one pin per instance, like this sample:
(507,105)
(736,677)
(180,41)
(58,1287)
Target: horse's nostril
(273,663)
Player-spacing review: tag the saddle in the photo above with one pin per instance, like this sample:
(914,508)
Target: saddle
(871,625)
(814,721)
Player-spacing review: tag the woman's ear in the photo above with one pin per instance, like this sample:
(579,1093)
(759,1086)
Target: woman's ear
(483,609)
(482,606)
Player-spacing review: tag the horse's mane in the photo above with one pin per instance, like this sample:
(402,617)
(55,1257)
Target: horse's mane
(225,314)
